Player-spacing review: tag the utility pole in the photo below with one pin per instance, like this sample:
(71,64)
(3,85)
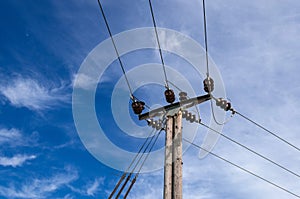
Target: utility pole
(168,168)
(173,158)
(177,156)
(173,142)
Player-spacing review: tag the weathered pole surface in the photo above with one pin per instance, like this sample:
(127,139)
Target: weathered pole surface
(177,156)
(168,159)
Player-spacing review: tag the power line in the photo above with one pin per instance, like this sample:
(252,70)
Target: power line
(141,166)
(179,89)
(158,43)
(205,37)
(140,158)
(206,59)
(126,172)
(243,169)
(150,135)
(268,131)
(136,164)
(252,151)
(151,148)
(115,47)
(148,107)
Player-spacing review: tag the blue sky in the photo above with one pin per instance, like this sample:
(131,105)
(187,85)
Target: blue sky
(255,45)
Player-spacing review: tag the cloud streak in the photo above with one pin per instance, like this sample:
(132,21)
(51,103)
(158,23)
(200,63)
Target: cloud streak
(9,135)
(16,161)
(94,188)
(90,189)
(29,93)
(40,188)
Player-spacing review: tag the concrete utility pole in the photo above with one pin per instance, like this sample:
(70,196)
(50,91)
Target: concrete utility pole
(173,158)
(177,156)
(173,148)
(168,168)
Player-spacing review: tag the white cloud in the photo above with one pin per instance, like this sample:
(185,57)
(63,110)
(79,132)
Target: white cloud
(88,81)
(255,42)
(90,189)
(68,196)
(14,137)
(40,188)
(211,178)
(9,135)
(29,93)
(94,188)
(16,161)
(84,81)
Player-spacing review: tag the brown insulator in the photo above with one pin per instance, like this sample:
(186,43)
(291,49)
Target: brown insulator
(138,107)
(170,96)
(208,85)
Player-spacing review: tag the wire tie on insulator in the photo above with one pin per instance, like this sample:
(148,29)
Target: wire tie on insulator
(198,121)
(133,98)
(167,85)
(232,111)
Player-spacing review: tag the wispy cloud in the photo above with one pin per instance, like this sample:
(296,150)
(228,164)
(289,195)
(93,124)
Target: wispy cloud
(84,81)
(206,178)
(29,93)
(16,161)
(14,137)
(68,196)
(40,188)
(9,135)
(94,188)
(90,189)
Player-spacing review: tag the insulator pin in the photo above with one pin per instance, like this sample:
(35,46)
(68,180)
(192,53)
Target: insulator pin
(184,113)
(182,96)
(158,124)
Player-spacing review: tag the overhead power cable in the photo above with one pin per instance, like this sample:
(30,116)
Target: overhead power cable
(136,162)
(158,43)
(252,151)
(115,47)
(243,169)
(141,166)
(207,61)
(133,169)
(126,172)
(268,131)
(205,37)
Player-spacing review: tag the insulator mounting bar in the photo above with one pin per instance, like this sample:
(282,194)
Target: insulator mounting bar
(161,110)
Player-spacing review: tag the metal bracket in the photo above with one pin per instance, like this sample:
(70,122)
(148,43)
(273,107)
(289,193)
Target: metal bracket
(171,109)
